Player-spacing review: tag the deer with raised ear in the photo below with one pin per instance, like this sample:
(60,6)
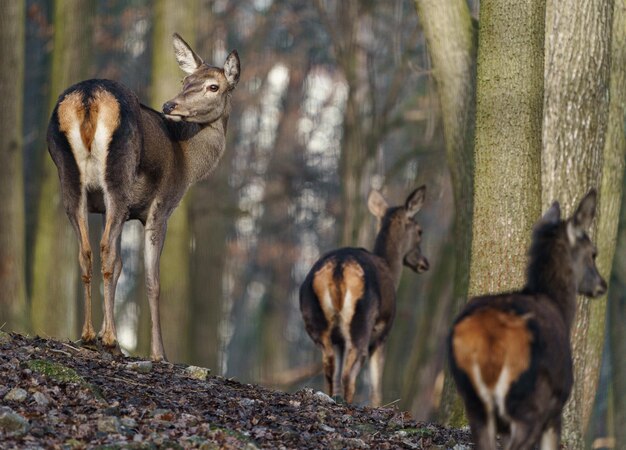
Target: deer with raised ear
(348,299)
(510,354)
(124,160)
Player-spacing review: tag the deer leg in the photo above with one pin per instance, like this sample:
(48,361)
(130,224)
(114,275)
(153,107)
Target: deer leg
(328,363)
(523,435)
(353,361)
(153,245)
(111,269)
(483,426)
(376,365)
(78,219)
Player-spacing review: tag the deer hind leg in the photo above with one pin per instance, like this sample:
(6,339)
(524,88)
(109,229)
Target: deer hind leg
(153,245)
(483,426)
(111,267)
(376,365)
(77,214)
(328,364)
(524,435)
(352,362)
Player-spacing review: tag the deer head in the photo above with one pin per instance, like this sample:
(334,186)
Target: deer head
(398,228)
(206,89)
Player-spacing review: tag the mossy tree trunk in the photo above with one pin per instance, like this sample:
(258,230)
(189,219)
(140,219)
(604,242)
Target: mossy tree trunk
(507,185)
(451,40)
(12,227)
(576,113)
(175,300)
(55,291)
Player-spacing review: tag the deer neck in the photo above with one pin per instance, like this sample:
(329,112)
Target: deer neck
(203,146)
(388,250)
(549,274)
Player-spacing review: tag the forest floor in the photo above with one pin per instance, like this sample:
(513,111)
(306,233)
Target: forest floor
(59,395)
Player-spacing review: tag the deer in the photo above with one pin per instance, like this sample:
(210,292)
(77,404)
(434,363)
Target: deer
(510,354)
(124,160)
(348,298)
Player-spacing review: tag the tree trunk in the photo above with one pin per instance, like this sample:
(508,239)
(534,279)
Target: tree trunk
(12,238)
(576,108)
(175,299)
(55,275)
(451,43)
(611,191)
(508,142)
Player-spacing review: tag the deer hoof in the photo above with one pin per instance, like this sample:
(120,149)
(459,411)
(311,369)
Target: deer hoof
(88,338)
(339,399)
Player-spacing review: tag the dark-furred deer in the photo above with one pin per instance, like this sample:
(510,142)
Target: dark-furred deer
(510,353)
(348,299)
(122,159)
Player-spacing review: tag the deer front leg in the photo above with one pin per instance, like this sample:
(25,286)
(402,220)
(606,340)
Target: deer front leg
(153,245)
(376,366)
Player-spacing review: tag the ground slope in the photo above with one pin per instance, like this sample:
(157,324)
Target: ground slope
(58,395)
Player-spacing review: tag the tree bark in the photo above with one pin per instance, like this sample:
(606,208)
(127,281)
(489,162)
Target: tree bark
(508,142)
(175,299)
(12,226)
(576,108)
(451,43)
(55,290)
(611,191)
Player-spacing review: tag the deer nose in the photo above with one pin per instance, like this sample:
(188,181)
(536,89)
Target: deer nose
(601,288)
(423,265)
(168,107)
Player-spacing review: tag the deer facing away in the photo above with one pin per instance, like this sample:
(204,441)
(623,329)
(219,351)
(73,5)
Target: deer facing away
(348,299)
(127,161)
(510,353)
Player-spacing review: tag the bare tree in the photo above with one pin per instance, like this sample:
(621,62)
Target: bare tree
(12,231)
(450,36)
(54,295)
(575,117)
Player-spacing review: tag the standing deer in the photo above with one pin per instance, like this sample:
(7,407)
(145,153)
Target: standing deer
(348,299)
(127,161)
(510,353)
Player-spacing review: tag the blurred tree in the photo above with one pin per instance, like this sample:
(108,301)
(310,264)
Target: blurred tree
(451,40)
(170,17)
(211,218)
(575,158)
(617,324)
(370,108)
(12,229)
(55,262)
(612,179)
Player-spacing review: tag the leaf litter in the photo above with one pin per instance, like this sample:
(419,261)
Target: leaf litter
(80,398)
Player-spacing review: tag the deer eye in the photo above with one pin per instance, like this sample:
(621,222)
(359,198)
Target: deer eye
(214,88)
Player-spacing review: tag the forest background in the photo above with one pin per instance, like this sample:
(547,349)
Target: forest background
(336,98)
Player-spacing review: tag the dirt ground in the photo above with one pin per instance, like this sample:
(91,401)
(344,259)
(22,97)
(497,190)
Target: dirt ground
(59,395)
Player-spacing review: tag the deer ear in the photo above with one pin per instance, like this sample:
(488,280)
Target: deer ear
(415,201)
(552,216)
(586,211)
(187,59)
(232,67)
(377,204)
(582,218)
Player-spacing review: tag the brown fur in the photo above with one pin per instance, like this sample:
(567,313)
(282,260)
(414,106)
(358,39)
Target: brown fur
(102,106)
(492,339)
(71,110)
(348,298)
